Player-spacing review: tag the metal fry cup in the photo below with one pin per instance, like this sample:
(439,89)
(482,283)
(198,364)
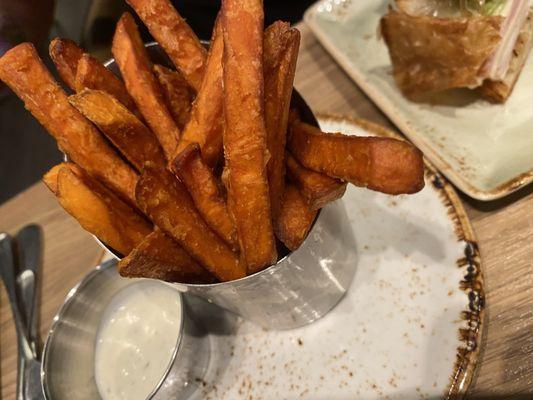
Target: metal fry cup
(302,286)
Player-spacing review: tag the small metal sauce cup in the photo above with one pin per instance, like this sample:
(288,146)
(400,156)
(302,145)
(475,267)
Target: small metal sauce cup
(302,286)
(67,370)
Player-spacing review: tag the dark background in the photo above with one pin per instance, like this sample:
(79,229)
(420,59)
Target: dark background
(26,150)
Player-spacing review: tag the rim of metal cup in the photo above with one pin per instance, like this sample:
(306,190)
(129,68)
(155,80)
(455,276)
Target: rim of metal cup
(69,299)
(307,115)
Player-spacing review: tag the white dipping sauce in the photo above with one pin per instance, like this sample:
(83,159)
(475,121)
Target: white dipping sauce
(136,339)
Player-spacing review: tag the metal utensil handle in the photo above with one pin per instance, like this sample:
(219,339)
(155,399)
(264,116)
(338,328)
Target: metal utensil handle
(29,244)
(7,271)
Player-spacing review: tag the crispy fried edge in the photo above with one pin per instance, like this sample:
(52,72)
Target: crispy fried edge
(160,257)
(295,218)
(175,36)
(97,209)
(386,165)
(203,188)
(134,140)
(281,44)
(23,71)
(168,204)
(136,69)
(206,124)
(318,189)
(66,55)
(92,74)
(177,93)
(244,135)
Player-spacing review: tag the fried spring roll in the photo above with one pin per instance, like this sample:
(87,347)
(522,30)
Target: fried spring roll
(387,165)
(281,45)
(177,93)
(160,257)
(23,71)
(175,36)
(92,74)
(66,54)
(206,124)
(317,189)
(134,140)
(204,190)
(244,134)
(142,85)
(168,204)
(295,218)
(96,208)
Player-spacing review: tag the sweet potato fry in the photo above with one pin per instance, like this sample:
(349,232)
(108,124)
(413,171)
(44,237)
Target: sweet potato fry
(203,188)
(317,189)
(23,71)
(134,140)
(175,36)
(160,257)
(80,70)
(168,204)
(66,54)
(96,208)
(295,218)
(244,134)
(91,74)
(387,165)
(177,93)
(281,45)
(206,124)
(136,68)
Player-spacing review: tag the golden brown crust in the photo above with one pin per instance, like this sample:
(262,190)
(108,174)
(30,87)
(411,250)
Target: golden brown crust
(316,188)
(499,91)
(168,204)
(177,93)
(97,209)
(281,44)
(295,218)
(204,190)
(206,124)
(387,165)
(432,54)
(136,69)
(92,74)
(23,71)
(134,140)
(160,257)
(175,36)
(244,135)
(66,54)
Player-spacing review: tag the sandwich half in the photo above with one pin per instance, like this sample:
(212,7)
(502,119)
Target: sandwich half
(436,45)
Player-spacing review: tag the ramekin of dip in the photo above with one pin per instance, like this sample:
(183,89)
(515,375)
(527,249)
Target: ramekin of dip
(119,338)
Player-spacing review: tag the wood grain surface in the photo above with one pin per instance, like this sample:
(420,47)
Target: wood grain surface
(504,231)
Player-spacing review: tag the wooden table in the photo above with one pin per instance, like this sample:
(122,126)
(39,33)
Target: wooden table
(504,230)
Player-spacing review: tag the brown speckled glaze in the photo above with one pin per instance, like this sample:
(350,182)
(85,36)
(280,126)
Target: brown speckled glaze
(472,283)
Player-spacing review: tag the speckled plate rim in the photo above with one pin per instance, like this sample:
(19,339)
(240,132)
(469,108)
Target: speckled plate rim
(379,100)
(473,282)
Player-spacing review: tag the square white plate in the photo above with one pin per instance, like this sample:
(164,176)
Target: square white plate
(486,150)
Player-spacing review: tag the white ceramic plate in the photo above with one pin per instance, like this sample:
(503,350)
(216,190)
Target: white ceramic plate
(486,150)
(408,328)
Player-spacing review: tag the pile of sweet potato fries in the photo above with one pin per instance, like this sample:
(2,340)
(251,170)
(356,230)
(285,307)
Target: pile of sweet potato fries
(195,174)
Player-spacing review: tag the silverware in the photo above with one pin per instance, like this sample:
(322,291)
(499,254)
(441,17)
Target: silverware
(29,245)
(29,382)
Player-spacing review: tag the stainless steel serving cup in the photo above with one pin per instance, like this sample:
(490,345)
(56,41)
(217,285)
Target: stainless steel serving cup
(301,287)
(67,369)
